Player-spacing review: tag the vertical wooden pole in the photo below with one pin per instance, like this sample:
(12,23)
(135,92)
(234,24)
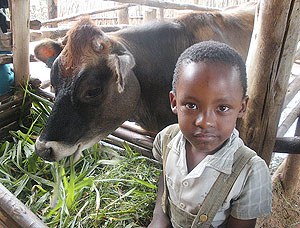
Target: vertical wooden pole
(149,15)
(161,14)
(20,30)
(52,11)
(123,17)
(269,63)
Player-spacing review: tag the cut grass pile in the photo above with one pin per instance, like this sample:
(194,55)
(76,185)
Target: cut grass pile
(103,189)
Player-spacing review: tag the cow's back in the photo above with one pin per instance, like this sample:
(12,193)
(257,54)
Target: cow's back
(157,46)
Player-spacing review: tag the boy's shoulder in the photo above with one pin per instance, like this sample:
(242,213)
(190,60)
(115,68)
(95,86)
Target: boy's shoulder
(162,139)
(170,128)
(256,162)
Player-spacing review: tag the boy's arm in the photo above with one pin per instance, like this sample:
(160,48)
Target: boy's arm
(160,219)
(238,223)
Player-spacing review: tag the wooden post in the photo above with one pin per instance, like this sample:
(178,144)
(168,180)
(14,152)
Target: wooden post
(291,171)
(149,15)
(161,14)
(123,17)
(288,172)
(20,30)
(269,64)
(52,11)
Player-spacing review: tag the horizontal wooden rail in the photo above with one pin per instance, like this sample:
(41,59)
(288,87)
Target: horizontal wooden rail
(141,140)
(167,5)
(290,145)
(72,17)
(55,33)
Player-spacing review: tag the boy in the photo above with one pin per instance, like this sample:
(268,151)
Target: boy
(208,96)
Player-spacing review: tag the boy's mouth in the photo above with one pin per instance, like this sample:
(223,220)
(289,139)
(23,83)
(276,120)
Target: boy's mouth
(205,137)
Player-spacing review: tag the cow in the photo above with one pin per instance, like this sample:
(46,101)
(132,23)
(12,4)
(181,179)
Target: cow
(103,79)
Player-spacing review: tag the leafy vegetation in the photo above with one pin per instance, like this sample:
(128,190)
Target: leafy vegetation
(104,188)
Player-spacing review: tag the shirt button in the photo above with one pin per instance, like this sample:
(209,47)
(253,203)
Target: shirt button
(185,183)
(203,218)
(182,205)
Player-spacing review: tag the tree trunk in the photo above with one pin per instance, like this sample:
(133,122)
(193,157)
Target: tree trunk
(269,63)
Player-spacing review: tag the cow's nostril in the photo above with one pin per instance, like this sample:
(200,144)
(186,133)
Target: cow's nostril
(47,154)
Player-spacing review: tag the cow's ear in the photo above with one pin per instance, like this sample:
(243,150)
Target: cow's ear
(47,51)
(121,65)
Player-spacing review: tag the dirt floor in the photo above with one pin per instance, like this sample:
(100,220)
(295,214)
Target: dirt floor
(285,212)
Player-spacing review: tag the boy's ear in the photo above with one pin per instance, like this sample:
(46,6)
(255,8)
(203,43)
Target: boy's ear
(173,102)
(243,107)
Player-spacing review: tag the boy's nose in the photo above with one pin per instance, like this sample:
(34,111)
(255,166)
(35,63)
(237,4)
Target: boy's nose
(205,119)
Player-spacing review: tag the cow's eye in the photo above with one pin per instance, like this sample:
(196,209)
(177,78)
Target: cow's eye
(92,93)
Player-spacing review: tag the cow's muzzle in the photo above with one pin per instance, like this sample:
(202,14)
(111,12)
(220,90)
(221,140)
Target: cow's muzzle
(43,151)
(55,151)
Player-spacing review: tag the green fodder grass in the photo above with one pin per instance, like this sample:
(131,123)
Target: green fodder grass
(103,189)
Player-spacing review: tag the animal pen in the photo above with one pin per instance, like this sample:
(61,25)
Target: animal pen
(270,92)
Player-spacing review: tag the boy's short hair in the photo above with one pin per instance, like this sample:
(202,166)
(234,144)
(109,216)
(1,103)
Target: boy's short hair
(211,51)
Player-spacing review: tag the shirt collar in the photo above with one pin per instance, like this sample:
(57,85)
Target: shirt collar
(222,160)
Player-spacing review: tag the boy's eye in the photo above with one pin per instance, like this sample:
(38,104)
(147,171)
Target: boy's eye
(223,108)
(190,106)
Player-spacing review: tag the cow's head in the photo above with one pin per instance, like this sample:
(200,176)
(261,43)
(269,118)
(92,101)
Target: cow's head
(95,91)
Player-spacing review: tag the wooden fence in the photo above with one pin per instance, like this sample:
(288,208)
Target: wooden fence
(287,143)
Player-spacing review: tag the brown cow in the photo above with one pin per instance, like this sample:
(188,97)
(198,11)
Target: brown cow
(101,80)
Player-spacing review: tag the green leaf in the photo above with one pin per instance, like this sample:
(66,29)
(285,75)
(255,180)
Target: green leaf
(147,184)
(71,189)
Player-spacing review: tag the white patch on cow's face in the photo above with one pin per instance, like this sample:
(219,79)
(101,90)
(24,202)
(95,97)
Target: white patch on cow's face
(60,150)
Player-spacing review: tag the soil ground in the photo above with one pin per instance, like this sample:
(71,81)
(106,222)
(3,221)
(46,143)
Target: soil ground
(285,212)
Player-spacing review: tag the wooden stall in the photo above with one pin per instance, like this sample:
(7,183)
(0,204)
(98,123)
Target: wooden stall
(14,213)
(141,140)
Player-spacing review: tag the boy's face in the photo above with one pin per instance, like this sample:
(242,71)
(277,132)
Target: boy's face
(208,101)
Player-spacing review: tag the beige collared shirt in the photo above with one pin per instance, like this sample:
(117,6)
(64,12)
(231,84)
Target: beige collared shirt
(250,196)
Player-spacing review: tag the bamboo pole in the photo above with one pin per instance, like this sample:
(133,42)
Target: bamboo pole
(167,5)
(72,17)
(269,63)
(20,30)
